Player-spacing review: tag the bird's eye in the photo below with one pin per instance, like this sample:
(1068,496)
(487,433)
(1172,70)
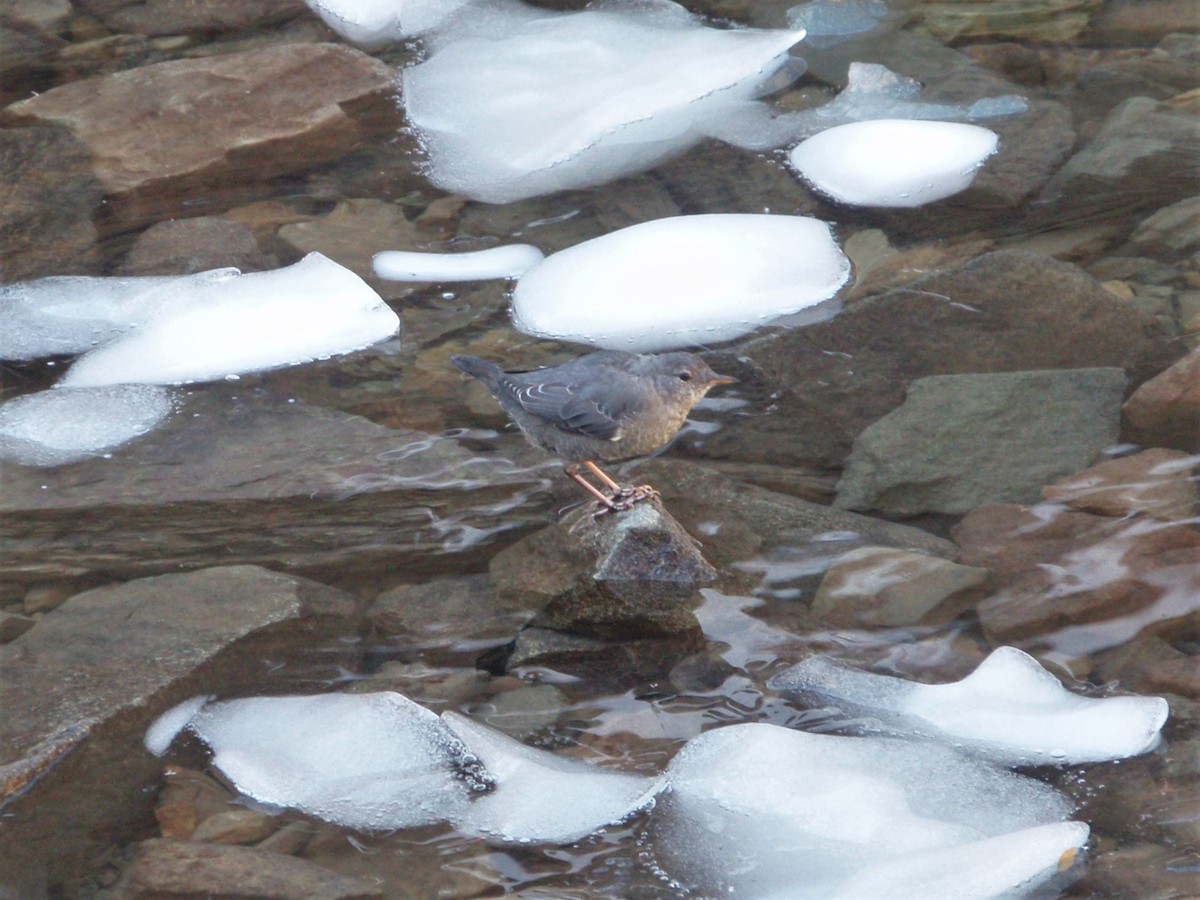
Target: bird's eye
(685,376)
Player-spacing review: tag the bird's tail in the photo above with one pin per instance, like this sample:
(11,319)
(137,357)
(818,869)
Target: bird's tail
(478,368)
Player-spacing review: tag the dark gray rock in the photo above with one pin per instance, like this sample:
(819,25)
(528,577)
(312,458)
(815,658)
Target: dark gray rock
(812,390)
(80,688)
(612,665)
(959,441)
(185,246)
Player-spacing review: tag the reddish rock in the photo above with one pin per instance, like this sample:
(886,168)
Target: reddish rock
(1010,539)
(1175,676)
(1169,404)
(163,133)
(1156,482)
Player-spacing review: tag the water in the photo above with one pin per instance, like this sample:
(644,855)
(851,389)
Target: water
(384,468)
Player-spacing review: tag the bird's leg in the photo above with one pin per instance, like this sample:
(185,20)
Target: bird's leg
(600,473)
(573,473)
(622,497)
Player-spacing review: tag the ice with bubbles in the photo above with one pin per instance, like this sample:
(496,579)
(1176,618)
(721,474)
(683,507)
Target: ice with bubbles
(542,101)
(1009,709)
(66,425)
(203,332)
(65,315)
(371,23)
(510,261)
(893,162)
(757,810)
(681,281)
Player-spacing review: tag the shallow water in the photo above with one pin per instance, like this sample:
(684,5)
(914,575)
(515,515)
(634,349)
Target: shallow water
(383,468)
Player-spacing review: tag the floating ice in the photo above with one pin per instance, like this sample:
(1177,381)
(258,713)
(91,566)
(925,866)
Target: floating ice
(205,331)
(66,425)
(1009,709)
(760,811)
(69,314)
(545,101)
(832,22)
(540,796)
(681,281)
(374,22)
(371,761)
(894,162)
(498,262)
(166,727)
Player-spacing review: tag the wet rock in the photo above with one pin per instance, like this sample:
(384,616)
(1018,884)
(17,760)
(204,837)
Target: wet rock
(1167,406)
(900,268)
(13,625)
(48,595)
(290,839)
(189,798)
(160,134)
(1144,870)
(242,476)
(1010,540)
(1143,23)
(1154,482)
(1139,160)
(26,52)
(524,711)
(235,826)
(431,686)
(1175,676)
(1127,666)
(440,609)
(959,441)
(80,689)
(1171,233)
(1107,82)
(185,246)
(163,869)
(611,665)
(48,195)
(161,17)
(880,587)
(1051,21)
(812,390)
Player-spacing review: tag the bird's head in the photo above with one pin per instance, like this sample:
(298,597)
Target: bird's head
(682,376)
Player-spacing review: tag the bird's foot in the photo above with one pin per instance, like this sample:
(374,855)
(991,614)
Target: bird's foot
(626,498)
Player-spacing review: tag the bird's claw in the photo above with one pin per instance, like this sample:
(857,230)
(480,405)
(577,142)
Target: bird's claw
(627,498)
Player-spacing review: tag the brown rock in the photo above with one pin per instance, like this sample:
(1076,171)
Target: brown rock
(161,17)
(1058,21)
(1169,404)
(186,246)
(352,233)
(188,798)
(13,625)
(1155,482)
(163,869)
(1010,539)
(1143,23)
(162,133)
(235,826)
(1175,676)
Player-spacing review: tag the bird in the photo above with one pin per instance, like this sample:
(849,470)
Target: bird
(608,405)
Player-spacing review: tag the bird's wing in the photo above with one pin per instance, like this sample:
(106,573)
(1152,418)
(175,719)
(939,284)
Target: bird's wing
(573,408)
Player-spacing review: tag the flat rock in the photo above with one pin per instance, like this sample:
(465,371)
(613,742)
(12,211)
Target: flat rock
(1155,482)
(1167,406)
(880,587)
(186,246)
(161,17)
(812,390)
(242,476)
(612,665)
(162,869)
(162,133)
(1171,233)
(453,608)
(1010,539)
(1143,23)
(80,689)
(1051,21)
(959,441)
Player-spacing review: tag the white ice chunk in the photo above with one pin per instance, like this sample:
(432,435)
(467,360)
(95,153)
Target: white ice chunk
(68,314)
(372,761)
(1009,709)
(832,22)
(166,727)
(547,101)
(1004,866)
(758,811)
(894,162)
(66,425)
(540,796)
(681,281)
(498,262)
(371,23)
(313,309)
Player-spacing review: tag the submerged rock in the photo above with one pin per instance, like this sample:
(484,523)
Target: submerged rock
(1167,407)
(959,441)
(186,246)
(1160,483)
(1050,21)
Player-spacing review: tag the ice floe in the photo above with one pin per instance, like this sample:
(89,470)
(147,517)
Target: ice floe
(894,162)
(509,261)
(1009,709)
(65,315)
(681,281)
(207,331)
(66,425)
(757,810)
(832,22)
(371,23)
(544,101)
(541,796)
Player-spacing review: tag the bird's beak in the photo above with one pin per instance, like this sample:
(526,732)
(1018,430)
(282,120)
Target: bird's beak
(723,379)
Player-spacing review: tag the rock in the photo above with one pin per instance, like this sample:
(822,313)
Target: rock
(1104,84)
(189,798)
(235,826)
(47,596)
(242,476)
(960,441)
(524,711)
(1154,482)
(1050,21)
(431,686)
(1171,233)
(185,246)
(903,267)
(450,608)
(161,133)
(1175,676)
(1125,23)
(161,17)
(1144,578)
(1143,870)
(812,390)
(290,839)
(1141,158)
(13,625)
(47,197)
(608,665)
(880,587)
(1128,666)
(1010,540)
(1168,406)
(80,689)
(162,869)
(26,52)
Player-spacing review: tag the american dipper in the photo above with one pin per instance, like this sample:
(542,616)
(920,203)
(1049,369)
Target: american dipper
(608,405)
